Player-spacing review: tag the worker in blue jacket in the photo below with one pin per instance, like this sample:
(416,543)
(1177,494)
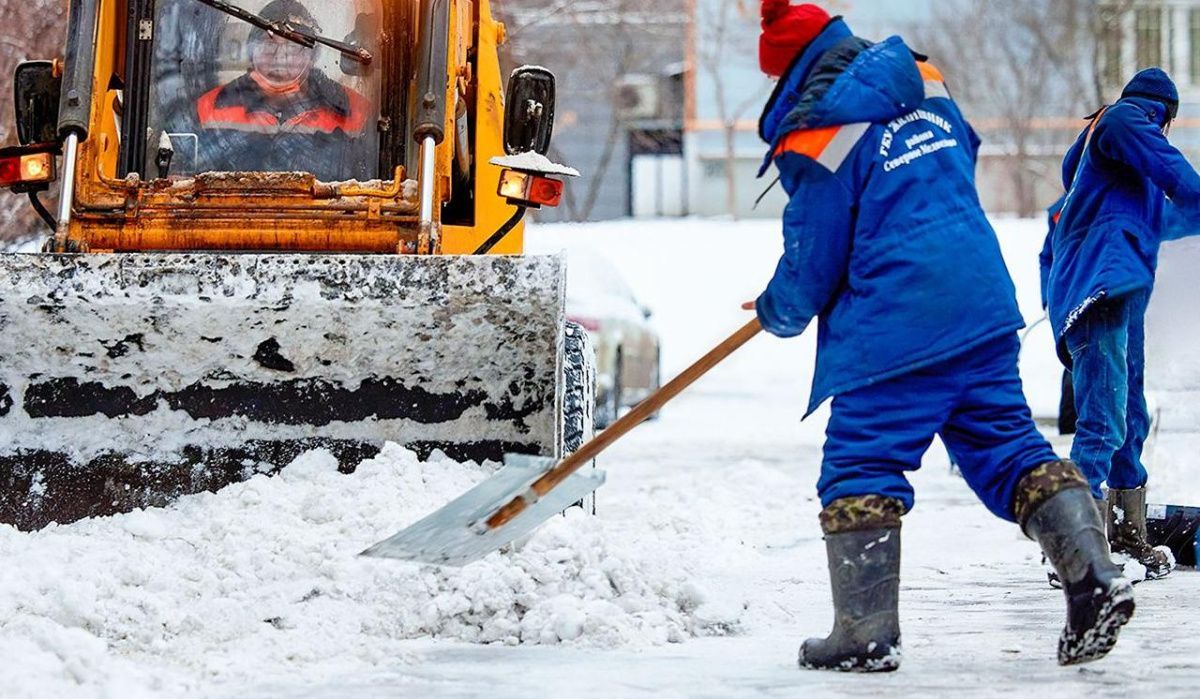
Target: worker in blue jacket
(887,246)
(1066,403)
(1119,175)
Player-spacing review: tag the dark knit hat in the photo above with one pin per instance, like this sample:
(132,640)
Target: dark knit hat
(1154,84)
(288,12)
(787,30)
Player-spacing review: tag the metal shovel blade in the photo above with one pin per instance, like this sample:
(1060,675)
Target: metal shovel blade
(457,534)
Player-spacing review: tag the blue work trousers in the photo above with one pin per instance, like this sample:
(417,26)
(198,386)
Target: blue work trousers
(1108,366)
(974,401)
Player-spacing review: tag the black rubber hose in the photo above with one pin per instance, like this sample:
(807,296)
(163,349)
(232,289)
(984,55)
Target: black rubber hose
(43,212)
(504,230)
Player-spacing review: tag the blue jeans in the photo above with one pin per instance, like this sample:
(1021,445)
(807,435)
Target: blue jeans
(1108,355)
(974,402)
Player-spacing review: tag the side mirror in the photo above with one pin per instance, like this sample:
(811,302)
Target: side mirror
(37,85)
(529,111)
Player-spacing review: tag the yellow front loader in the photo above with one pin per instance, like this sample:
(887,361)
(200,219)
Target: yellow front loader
(282,226)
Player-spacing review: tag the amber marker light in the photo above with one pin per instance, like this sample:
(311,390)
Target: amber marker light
(529,189)
(24,165)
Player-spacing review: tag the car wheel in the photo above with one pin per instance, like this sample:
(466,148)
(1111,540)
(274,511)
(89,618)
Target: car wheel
(608,412)
(656,381)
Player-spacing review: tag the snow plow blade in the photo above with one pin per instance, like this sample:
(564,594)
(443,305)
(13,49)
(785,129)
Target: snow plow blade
(129,380)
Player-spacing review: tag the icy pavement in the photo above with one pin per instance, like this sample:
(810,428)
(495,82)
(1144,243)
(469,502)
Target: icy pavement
(701,575)
(978,618)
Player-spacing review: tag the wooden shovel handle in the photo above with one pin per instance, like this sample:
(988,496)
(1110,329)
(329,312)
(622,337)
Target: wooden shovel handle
(623,426)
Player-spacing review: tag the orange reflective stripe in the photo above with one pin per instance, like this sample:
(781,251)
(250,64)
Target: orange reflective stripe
(323,120)
(935,84)
(811,142)
(829,146)
(212,116)
(1092,128)
(1087,143)
(930,72)
(318,120)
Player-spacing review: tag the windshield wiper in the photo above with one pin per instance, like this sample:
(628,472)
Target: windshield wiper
(292,33)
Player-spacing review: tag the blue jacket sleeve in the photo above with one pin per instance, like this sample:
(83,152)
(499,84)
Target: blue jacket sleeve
(817,230)
(1180,222)
(1046,261)
(1046,258)
(1127,134)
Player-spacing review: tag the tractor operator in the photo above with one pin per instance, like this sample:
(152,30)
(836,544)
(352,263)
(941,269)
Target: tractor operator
(284,115)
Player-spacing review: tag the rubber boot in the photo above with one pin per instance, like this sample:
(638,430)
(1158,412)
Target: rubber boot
(862,541)
(1052,574)
(1055,509)
(1126,515)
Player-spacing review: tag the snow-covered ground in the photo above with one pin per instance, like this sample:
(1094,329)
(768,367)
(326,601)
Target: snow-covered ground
(699,577)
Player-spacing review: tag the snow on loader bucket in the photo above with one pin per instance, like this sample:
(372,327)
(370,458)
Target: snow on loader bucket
(128,380)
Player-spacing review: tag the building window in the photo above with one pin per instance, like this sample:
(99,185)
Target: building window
(1194,45)
(1148,29)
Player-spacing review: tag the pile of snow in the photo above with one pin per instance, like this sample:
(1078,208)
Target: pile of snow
(263,578)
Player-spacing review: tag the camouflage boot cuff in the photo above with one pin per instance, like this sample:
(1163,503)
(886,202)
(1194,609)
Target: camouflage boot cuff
(861,513)
(1043,483)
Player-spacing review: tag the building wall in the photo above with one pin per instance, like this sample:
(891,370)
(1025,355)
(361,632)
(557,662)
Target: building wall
(1176,42)
(744,84)
(589,47)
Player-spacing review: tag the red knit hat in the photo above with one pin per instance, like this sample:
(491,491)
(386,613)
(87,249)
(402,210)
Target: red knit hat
(786,31)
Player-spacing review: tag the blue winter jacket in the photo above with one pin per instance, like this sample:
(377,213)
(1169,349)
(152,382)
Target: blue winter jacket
(1046,257)
(1178,223)
(1118,179)
(884,237)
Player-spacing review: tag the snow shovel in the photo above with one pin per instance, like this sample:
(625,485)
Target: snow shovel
(529,490)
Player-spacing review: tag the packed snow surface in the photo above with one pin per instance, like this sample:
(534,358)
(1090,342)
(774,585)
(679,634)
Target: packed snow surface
(264,575)
(700,575)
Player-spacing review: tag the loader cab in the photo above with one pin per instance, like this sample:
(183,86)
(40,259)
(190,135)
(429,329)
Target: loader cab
(379,133)
(224,96)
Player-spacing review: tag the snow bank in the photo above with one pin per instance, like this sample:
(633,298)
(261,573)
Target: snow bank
(262,579)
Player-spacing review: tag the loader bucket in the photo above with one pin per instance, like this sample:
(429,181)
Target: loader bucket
(128,380)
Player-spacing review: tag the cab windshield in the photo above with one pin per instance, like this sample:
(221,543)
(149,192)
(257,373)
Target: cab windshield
(231,97)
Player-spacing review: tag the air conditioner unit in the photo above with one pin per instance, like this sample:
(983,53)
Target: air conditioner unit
(637,97)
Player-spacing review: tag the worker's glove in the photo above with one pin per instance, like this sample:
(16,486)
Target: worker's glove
(771,322)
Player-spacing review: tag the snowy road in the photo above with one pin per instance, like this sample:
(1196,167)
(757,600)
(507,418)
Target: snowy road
(699,578)
(725,480)
(977,616)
